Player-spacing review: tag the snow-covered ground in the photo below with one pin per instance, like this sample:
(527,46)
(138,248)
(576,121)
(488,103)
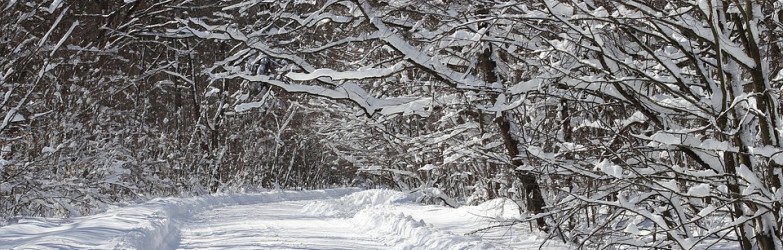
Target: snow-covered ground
(328,219)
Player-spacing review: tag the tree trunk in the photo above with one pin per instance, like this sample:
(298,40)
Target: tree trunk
(533,198)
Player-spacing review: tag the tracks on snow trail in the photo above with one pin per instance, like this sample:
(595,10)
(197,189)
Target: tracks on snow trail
(319,219)
(278,225)
(373,219)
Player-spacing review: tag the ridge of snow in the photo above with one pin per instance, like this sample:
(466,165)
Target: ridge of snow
(408,233)
(351,204)
(394,217)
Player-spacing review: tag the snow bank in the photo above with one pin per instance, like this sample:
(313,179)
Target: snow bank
(111,230)
(500,209)
(377,213)
(349,205)
(151,225)
(116,229)
(406,233)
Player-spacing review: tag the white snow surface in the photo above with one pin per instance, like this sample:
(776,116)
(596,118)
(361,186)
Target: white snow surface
(325,219)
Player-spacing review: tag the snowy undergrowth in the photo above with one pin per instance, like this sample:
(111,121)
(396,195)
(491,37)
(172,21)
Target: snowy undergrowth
(150,225)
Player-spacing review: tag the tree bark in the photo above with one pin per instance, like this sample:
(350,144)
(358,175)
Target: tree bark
(533,198)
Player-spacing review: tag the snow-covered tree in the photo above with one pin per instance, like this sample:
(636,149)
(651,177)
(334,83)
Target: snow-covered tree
(652,124)
(684,100)
(652,118)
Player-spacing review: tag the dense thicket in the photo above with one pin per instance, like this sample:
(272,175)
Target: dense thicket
(653,124)
(99,111)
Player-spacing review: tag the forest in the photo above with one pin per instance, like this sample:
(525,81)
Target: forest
(620,124)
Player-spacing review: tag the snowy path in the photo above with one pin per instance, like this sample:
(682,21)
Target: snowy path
(279,225)
(326,219)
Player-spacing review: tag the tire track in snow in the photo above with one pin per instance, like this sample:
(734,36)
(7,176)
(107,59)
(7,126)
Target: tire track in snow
(277,225)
